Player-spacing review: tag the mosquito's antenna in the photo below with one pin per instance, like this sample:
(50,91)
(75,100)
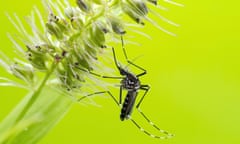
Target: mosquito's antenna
(168,135)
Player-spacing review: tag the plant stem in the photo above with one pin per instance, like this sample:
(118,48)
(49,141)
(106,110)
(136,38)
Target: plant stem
(35,93)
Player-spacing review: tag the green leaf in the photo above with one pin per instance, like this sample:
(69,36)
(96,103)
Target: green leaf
(45,113)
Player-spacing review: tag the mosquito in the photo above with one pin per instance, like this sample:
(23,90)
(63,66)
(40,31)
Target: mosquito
(132,84)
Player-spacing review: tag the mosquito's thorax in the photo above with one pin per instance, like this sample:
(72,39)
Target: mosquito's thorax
(130,82)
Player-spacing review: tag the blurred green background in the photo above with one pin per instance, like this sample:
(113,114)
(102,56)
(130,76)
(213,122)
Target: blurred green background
(195,80)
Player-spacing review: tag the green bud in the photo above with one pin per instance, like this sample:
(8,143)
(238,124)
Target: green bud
(63,75)
(69,12)
(138,6)
(57,26)
(41,49)
(83,59)
(93,39)
(131,13)
(97,35)
(77,23)
(24,72)
(52,18)
(63,25)
(84,5)
(46,48)
(75,61)
(116,25)
(37,56)
(37,61)
(102,26)
(68,75)
(53,29)
(35,50)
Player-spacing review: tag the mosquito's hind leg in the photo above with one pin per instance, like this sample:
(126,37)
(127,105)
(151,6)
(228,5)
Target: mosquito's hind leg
(148,133)
(146,89)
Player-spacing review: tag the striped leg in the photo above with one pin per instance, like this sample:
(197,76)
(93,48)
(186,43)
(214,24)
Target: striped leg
(168,135)
(130,62)
(148,133)
(101,92)
(98,75)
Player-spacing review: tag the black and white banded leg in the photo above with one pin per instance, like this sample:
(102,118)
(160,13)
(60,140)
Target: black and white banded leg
(98,75)
(130,62)
(102,92)
(97,93)
(168,135)
(133,121)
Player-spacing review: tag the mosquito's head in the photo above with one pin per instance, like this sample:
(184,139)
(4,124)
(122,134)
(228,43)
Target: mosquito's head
(122,71)
(130,82)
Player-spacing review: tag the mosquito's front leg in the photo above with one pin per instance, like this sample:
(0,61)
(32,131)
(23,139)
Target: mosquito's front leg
(97,93)
(130,62)
(98,75)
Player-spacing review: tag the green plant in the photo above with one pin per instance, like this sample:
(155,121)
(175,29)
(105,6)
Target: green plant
(65,48)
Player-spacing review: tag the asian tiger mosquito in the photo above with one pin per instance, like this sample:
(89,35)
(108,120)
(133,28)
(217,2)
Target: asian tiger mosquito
(132,84)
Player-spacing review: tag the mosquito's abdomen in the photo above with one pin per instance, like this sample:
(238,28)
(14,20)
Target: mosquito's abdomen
(128,105)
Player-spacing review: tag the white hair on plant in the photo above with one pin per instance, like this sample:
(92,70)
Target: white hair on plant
(174,3)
